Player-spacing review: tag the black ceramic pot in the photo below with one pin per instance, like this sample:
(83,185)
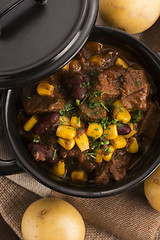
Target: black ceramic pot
(23,159)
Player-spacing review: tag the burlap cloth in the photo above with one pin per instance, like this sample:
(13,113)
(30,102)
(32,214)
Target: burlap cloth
(127,216)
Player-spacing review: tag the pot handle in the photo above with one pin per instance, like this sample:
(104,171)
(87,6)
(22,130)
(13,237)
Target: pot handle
(14,3)
(8,167)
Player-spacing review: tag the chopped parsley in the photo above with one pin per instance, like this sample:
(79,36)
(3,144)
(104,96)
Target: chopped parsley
(35,140)
(78,120)
(118,75)
(117,156)
(67,108)
(136,116)
(54,154)
(77,102)
(138,83)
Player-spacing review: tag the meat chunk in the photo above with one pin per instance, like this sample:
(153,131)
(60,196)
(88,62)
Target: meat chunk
(150,122)
(87,163)
(92,114)
(103,175)
(119,164)
(135,89)
(34,103)
(108,83)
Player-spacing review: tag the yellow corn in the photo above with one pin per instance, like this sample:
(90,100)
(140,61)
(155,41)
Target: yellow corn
(66,67)
(111,131)
(118,103)
(74,65)
(65,132)
(82,142)
(109,155)
(45,89)
(119,142)
(93,46)
(99,158)
(133,145)
(79,176)
(30,123)
(121,114)
(59,169)
(94,130)
(67,144)
(133,131)
(97,59)
(64,120)
(120,61)
(76,122)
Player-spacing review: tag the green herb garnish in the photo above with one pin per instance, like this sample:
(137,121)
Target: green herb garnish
(138,83)
(35,140)
(136,116)
(54,154)
(67,108)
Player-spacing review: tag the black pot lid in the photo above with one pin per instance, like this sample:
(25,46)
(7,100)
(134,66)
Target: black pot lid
(38,39)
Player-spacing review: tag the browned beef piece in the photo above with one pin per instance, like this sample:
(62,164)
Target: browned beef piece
(34,103)
(103,175)
(150,121)
(92,115)
(108,83)
(119,164)
(135,89)
(108,59)
(88,164)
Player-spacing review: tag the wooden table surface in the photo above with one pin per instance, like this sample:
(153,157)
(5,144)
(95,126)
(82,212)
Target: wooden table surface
(6,232)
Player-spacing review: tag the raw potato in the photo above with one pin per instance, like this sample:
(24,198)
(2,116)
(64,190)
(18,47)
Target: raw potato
(131,16)
(152,189)
(52,219)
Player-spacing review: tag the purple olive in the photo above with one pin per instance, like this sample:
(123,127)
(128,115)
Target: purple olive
(49,120)
(123,129)
(41,152)
(77,87)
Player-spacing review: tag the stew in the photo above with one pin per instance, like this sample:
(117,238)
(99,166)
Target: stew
(91,120)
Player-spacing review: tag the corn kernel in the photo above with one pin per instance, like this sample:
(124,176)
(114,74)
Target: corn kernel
(79,176)
(82,142)
(133,131)
(111,131)
(121,114)
(65,132)
(93,46)
(74,65)
(66,67)
(119,142)
(133,145)
(67,144)
(45,89)
(64,120)
(97,59)
(59,169)
(120,61)
(94,130)
(99,158)
(109,155)
(118,103)
(30,123)
(76,122)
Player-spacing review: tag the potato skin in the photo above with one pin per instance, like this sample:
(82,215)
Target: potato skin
(130,16)
(50,219)
(152,189)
